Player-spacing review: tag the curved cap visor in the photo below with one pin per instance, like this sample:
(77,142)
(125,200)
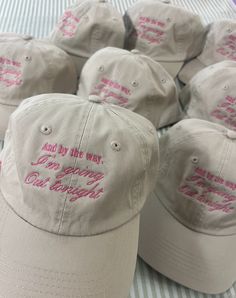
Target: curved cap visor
(198,261)
(189,70)
(39,264)
(172,68)
(5,112)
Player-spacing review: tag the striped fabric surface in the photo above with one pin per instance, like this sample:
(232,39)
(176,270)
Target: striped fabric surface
(37,18)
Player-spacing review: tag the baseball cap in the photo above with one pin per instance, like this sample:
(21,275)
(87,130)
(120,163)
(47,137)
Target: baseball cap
(29,67)
(220,44)
(134,81)
(211,94)
(167,33)
(86,27)
(188,224)
(69,206)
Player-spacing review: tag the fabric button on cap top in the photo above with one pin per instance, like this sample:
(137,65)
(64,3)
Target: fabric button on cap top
(27,37)
(134,51)
(95,98)
(231,134)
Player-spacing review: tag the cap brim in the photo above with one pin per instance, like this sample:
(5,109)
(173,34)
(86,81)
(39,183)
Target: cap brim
(5,113)
(198,261)
(35,263)
(189,70)
(172,68)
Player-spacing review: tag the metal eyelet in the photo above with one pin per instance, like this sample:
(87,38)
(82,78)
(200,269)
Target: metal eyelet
(28,58)
(116,146)
(134,84)
(101,68)
(226,87)
(163,81)
(45,129)
(194,159)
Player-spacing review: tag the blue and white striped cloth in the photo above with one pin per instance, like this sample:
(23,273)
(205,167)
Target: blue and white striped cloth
(37,18)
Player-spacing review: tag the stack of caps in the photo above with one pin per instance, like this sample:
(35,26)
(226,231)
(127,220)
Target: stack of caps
(70,204)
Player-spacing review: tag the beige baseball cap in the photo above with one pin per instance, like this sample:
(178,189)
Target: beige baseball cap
(29,67)
(86,27)
(188,225)
(211,94)
(134,81)
(167,33)
(71,189)
(220,44)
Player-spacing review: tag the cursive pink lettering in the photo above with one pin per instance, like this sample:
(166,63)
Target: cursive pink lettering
(202,184)
(49,147)
(68,24)
(77,192)
(48,164)
(94,176)
(34,179)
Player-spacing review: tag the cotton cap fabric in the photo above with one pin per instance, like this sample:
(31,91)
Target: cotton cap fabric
(134,81)
(70,204)
(86,27)
(167,33)
(29,67)
(188,224)
(220,45)
(211,94)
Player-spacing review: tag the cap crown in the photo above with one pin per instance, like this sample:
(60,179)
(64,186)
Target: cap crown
(163,31)
(196,179)
(29,67)
(79,175)
(220,43)
(88,26)
(133,81)
(211,94)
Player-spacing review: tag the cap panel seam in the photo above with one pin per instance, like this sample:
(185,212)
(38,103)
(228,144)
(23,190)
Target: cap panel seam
(82,135)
